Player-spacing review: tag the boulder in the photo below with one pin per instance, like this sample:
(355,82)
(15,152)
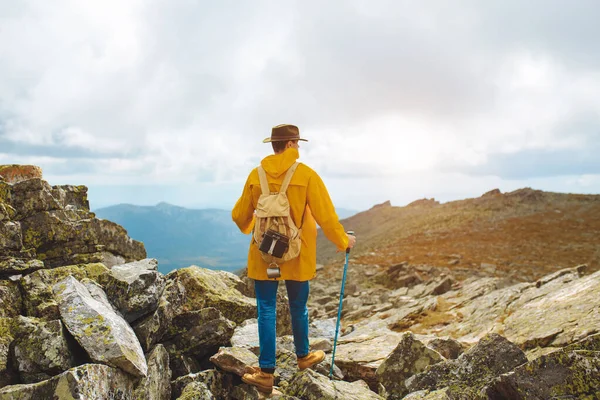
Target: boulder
(88,320)
(569,374)
(492,356)
(219,383)
(7,373)
(38,298)
(196,390)
(11,303)
(41,349)
(89,381)
(150,329)
(10,237)
(199,333)
(447,347)
(14,173)
(218,289)
(157,385)
(409,358)
(65,237)
(235,360)
(245,336)
(182,364)
(134,288)
(15,265)
(310,385)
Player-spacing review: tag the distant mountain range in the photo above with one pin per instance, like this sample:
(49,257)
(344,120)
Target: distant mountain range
(179,237)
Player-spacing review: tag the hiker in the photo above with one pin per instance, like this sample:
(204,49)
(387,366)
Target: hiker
(308,201)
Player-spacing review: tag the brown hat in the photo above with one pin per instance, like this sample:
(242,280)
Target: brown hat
(283,133)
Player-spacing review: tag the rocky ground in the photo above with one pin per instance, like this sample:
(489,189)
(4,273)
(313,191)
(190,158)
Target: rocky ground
(85,315)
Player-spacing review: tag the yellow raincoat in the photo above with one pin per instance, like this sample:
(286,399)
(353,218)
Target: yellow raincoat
(309,201)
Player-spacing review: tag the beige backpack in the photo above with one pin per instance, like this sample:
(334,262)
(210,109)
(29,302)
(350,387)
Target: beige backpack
(275,233)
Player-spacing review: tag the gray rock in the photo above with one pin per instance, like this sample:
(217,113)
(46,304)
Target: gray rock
(196,391)
(235,360)
(492,356)
(7,373)
(157,385)
(219,383)
(89,381)
(41,349)
(447,347)
(572,374)
(311,385)
(13,265)
(410,357)
(207,288)
(151,329)
(38,298)
(134,288)
(245,335)
(10,237)
(323,328)
(182,365)
(11,303)
(88,320)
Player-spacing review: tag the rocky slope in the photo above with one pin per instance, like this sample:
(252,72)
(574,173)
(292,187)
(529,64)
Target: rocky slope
(525,234)
(85,315)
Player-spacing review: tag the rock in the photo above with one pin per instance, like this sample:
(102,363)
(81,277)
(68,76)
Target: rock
(568,374)
(234,359)
(157,386)
(447,347)
(219,289)
(559,312)
(41,349)
(245,336)
(152,328)
(488,268)
(196,390)
(311,385)
(10,237)
(441,394)
(11,302)
(7,374)
(89,381)
(87,320)
(182,365)
(219,383)
(17,173)
(410,357)
(193,333)
(98,294)
(324,328)
(38,298)
(445,285)
(360,354)
(134,288)
(492,356)
(12,265)
(62,237)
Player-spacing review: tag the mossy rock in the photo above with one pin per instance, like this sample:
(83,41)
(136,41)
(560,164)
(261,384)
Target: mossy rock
(11,303)
(39,299)
(7,373)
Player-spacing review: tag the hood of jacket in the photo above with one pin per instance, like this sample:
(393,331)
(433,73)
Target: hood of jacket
(276,165)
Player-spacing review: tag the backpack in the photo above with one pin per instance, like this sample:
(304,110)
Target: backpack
(277,236)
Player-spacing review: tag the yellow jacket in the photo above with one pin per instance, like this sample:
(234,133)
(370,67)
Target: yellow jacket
(308,197)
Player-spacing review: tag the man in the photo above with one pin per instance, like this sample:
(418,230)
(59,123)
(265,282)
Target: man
(309,201)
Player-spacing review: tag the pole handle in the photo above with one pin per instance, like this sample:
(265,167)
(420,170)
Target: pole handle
(349,233)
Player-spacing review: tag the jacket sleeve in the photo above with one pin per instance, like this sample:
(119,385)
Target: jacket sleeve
(323,210)
(243,211)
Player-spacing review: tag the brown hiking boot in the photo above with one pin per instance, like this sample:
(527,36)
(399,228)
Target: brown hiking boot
(262,380)
(314,357)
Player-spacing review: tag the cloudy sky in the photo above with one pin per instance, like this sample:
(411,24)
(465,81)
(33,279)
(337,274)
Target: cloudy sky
(157,100)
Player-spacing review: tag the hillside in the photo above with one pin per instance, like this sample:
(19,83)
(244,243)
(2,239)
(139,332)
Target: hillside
(526,233)
(179,237)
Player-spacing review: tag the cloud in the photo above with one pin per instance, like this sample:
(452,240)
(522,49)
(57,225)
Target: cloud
(168,93)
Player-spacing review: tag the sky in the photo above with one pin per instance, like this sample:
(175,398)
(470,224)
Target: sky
(156,100)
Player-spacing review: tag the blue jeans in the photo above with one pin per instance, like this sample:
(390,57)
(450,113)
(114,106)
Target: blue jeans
(266,302)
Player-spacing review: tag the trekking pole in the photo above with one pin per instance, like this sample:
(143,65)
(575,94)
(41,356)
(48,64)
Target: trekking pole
(339,316)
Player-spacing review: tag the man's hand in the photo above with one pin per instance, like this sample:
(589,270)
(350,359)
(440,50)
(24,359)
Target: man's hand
(351,241)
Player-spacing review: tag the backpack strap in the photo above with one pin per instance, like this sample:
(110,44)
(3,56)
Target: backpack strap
(288,177)
(264,183)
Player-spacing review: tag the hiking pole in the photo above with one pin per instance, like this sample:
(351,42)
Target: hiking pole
(339,316)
